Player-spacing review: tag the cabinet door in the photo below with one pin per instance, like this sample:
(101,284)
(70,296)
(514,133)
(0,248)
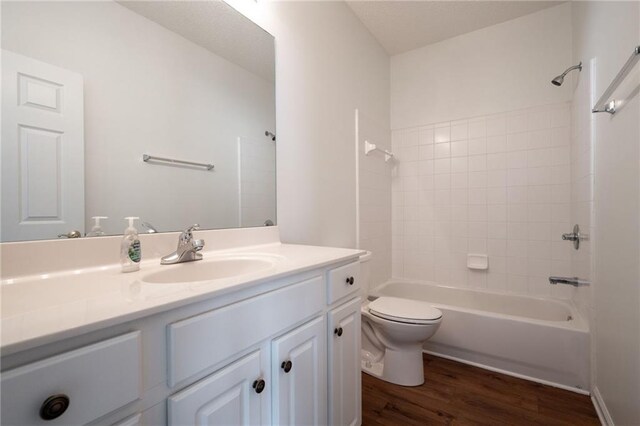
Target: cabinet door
(300,376)
(344,364)
(234,395)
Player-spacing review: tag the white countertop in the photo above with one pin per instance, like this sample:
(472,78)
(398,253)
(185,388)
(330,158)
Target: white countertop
(42,308)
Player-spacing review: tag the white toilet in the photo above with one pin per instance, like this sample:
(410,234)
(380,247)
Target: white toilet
(393,333)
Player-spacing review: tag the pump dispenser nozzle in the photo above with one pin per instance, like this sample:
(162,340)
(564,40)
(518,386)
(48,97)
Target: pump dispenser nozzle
(131,219)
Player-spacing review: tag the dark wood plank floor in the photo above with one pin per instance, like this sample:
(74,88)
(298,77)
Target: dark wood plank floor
(459,394)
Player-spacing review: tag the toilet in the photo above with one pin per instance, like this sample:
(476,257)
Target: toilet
(393,333)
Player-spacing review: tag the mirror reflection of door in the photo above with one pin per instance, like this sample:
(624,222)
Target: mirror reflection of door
(42,150)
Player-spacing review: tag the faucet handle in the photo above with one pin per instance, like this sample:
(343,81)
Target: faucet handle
(187,235)
(193,227)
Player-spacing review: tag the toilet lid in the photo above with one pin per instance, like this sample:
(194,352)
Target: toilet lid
(404,310)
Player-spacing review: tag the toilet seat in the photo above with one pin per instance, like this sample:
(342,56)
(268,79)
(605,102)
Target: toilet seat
(404,310)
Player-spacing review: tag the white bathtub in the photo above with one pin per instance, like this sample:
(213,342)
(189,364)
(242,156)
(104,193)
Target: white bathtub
(544,340)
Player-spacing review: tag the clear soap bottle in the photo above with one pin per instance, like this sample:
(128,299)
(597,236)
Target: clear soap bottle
(130,251)
(97,230)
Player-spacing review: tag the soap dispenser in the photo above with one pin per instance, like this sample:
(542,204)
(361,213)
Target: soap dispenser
(97,230)
(130,252)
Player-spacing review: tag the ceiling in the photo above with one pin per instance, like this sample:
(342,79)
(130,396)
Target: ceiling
(217,27)
(401,25)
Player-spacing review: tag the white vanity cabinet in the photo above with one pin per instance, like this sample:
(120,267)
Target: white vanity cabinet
(283,352)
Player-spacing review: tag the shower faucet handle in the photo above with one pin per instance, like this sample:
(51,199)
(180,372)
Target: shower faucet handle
(576,236)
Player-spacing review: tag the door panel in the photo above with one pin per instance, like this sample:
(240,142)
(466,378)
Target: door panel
(227,397)
(300,393)
(42,150)
(344,364)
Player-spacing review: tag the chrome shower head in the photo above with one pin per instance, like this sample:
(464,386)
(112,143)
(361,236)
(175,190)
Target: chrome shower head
(560,79)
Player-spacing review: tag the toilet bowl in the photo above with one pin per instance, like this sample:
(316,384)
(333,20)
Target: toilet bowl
(393,333)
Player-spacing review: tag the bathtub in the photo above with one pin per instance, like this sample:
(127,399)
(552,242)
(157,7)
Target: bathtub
(544,340)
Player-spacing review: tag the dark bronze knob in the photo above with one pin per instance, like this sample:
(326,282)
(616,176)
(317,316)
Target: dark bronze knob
(350,280)
(259,385)
(54,406)
(338,331)
(286,366)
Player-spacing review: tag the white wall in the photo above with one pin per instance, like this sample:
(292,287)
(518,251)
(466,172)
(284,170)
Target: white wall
(484,167)
(608,31)
(257,177)
(327,65)
(582,178)
(148,90)
(500,68)
(374,186)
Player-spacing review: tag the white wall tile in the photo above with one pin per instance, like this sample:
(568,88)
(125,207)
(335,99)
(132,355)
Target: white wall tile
(459,148)
(496,125)
(442,150)
(477,128)
(477,163)
(442,134)
(477,146)
(426,136)
(496,143)
(459,131)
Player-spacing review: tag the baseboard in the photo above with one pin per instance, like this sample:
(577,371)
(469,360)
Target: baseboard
(601,408)
(510,373)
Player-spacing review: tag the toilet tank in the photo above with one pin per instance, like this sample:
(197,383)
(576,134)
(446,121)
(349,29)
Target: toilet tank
(365,274)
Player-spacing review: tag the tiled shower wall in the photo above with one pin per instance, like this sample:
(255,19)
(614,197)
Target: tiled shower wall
(498,185)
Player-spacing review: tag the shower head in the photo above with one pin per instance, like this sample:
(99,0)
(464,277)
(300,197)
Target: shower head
(560,79)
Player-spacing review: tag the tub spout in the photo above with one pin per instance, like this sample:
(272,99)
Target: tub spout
(574,281)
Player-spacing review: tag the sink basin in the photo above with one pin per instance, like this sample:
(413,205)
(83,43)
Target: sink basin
(208,270)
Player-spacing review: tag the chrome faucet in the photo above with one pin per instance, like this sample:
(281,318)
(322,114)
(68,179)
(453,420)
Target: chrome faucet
(576,236)
(574,281)
(150,228)
(187,250)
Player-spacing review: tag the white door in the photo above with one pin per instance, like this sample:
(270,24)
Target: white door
(236,395)
(344,364)
(42,150)
(299,376)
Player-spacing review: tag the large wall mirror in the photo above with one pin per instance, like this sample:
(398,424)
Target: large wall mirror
(163,110)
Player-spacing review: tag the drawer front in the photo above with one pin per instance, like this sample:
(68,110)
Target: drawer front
(95,379)
(205,340)
(343,281)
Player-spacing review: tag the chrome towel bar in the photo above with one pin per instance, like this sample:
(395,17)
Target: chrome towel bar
(147,158)
(605,104)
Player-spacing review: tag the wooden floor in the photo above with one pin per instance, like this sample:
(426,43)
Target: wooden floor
(459,394)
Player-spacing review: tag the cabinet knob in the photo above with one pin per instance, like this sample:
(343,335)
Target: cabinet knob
(54,406)
(259,385)
(286,366)
(350,280)
(338,331)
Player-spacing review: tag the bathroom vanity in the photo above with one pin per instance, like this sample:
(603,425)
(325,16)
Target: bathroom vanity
(274,339)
